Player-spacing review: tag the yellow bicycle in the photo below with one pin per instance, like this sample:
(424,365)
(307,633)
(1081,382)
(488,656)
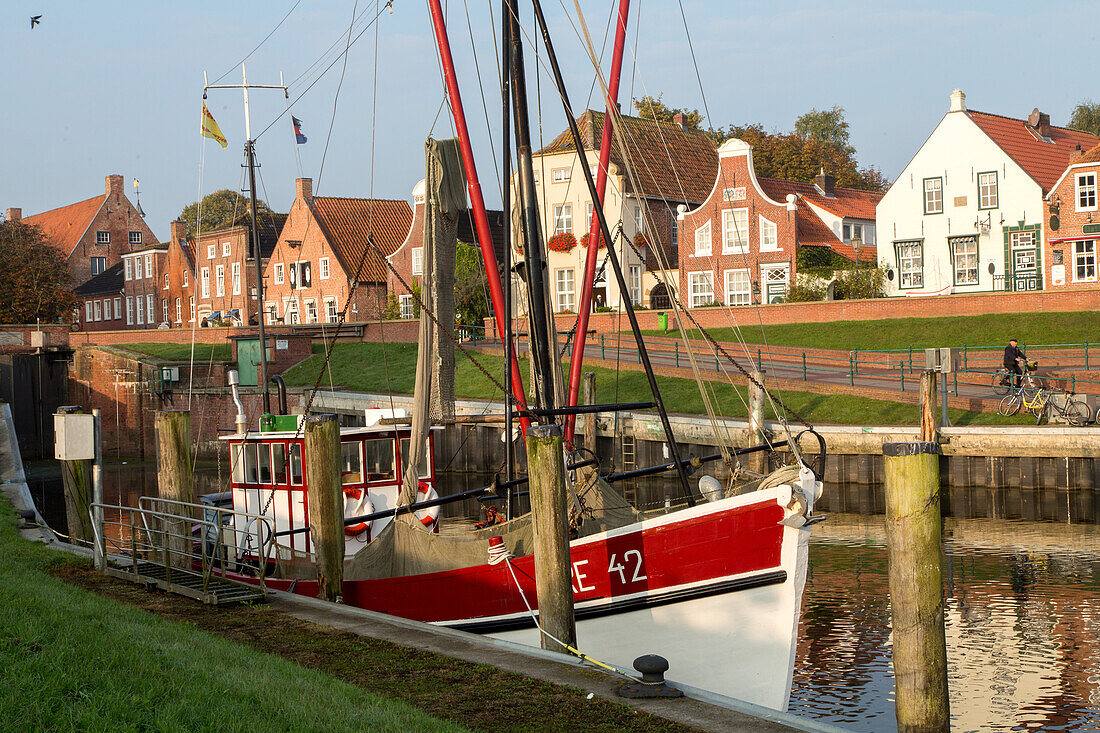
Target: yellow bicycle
(1039,403)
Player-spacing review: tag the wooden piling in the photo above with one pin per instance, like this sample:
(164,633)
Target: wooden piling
(590,419)
(321,444)
(758,462)
(929,424)
(915,552)
(553,573)
(173,440)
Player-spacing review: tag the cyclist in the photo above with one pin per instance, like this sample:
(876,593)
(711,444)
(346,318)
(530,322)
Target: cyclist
(1014,358)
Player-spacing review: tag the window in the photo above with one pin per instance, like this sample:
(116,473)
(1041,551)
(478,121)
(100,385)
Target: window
(211,251)
(179,310)
(735,231)
(219,280)
(311,311)
(564,286)
(769,235)
(149,309)
(378,460)
(137,269)
(636,284)
(139,311)
(227,249)
(118,308)
(236,278)
(639,220)
(561,175)
(701,289)
(1086,192)
(702,240)
(205,282)
(106,309)
(933,195)
(191,302)
(135,237)
(910,264)
(964,255)
(674,233)
(129,310)
(272,312)
(99,264)
(102,237)
(563,218)
(738,287)
(299,275)
(588,216)
(536,178)
(775,278)
(422,470)
(418,260)
(987,190)
(291,311)
(330,310)
(128,269)
(278,273)
(1084,260)
(164,310)
(323,266)
(406,306)
(351,462)
(88,318)
(98,309)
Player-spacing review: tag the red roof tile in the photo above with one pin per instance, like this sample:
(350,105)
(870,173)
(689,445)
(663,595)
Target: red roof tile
(1092,156)
(349,223)
(65,225)
(1043,161)
(688,178)
(813,232)
(845,202)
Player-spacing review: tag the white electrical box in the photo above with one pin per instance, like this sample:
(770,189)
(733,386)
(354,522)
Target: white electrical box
(171,374)
(74,437)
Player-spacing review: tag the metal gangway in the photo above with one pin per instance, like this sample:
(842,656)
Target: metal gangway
(185,548)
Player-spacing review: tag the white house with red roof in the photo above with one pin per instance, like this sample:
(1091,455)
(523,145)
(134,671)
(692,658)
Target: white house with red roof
(967,212)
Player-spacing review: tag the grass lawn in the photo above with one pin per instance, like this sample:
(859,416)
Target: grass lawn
(991,331)
(371,367)
(180,352)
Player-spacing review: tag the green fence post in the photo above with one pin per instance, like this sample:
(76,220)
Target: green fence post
(1086,356)
(955,372)
(910,358)
(758,365)
(677,345)
(603,347)
(851,374)
(1073,383)
(902,370)
(855,362)
(803,366)
(966,363)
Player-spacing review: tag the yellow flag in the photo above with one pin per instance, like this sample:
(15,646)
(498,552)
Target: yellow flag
(210,127)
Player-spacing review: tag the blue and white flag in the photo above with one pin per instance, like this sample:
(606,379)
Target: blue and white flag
(298,136)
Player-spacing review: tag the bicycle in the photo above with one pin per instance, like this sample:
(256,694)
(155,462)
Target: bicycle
(1002,378)
(1039,404)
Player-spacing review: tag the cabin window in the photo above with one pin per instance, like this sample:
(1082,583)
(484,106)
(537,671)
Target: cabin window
(264,451)
(278,462)
(296,464)
(237,463)
(422,471)
(351,462)
(378,460)
(250,468)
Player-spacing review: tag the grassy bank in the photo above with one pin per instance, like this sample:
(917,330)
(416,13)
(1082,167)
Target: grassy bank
(180,352)
(920,333)
(368,367)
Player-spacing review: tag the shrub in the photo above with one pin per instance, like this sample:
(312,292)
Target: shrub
(805,293)
(863,281)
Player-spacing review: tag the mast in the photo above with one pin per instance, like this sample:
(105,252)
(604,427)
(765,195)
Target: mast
(643,354)
(477,201)
(576,361)
(506,205)
(538,320)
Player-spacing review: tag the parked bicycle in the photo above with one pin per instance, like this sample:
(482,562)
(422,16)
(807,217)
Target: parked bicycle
(1002,378)
(1040,404)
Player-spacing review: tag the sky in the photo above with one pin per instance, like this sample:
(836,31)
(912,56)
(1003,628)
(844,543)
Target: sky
(116,87)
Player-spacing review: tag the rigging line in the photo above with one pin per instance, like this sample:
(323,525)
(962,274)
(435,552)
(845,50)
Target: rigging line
(257,48)
(484,104)
(323,55)
(183,245)
(336,97)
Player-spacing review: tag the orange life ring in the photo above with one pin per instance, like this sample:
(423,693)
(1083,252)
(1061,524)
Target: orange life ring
(365,506)
(428,516)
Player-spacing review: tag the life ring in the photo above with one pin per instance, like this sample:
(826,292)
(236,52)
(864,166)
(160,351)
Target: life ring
(364,506)
(428,516)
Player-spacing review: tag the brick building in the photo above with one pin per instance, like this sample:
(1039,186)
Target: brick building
(324,244)
(740,246)
(99,301)
(93,234)
(225,271)
(144,287)
(1073,224)
(177,277)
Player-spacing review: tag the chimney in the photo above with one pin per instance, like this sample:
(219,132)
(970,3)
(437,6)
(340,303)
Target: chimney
(15,214)
(303,188)
(115,185)
(179,230)
(1074,156)
(1039,121)
(958,101)
(824,183)
(678,118)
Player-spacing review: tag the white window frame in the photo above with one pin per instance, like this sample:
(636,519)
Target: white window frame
(139,310)
(565,289)
(129,310)
(698,295)
(635,281)
(211,251)
(134,237)
(323,266)
(236,276)
(97,309)
(149,265)
(204,289)
(417,260)
(769,235)
(736,296)
(291,314)
(271,311)
(639,220)
(406,303)
(150,319)
(102,237)
(1086,258)
(1085,191)
(191,308)
(910,277)
(128,269)
(227,249)
(297,268)
(563,218)
(674,233)
(989,194)
(185,277)
(164,309)
(964,265)
(219,280)
(277,273)
(138,274)
(731,229)
(102,262)
(561,175)
(703,240)
(933,195)
(107,309)
(766,271)
(588,213)
(118,308)
(87,311)
(179,310)
(311,310)
(332,315)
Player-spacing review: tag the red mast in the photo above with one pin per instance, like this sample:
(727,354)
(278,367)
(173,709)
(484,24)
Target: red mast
(576,362)
(477,201)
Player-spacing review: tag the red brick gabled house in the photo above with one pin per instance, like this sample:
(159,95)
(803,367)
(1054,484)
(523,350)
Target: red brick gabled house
(740,246)
(143,287)
(328,245)
(1073,224)
(99,300)
(93,234)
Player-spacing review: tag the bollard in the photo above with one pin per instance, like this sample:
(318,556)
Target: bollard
(929,426)
(321,444)
(915,550)
(553,573)
(173,434)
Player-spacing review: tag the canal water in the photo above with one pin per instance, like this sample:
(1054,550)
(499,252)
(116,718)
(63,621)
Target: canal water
(1022,574)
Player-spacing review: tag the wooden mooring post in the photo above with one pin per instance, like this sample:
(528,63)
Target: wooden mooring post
(553,573)
(929,424)
(590,418)
(173,438)
(915,552)
(758,462)
(76,480)
(321,443)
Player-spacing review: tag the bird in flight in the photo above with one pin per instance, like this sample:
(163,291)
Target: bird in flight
(35,20)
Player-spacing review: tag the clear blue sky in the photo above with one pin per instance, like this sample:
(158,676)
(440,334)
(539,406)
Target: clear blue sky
(113,87)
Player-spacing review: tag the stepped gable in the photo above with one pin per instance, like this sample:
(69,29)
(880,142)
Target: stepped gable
(349,224)
(1043,153)
(65,225)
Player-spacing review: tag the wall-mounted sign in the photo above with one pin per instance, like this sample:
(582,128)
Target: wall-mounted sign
(734,194)
(1091,229)
(281,345)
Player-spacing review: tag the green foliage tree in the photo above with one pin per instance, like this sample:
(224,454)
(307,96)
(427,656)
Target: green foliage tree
(1086,117)
(470,299)
(799,293)
(864,281)
(392,311)
(36,281)
(827,126)
(650,107)
(219,209)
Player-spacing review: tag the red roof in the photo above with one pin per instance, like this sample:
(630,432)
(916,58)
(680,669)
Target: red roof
(350,223)
(1092,156)
(1042,160)
(64,226)
(851,203)
(812,232)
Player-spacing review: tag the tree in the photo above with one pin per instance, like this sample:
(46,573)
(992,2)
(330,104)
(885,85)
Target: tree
(1086,117)
(470,299)
(219,209)
(652,108)
(36,279)
(827,126)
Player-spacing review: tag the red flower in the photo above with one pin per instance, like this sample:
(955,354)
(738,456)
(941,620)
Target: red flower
(603,244)
(561,242)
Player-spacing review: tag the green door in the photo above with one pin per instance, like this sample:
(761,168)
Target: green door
(248,361)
